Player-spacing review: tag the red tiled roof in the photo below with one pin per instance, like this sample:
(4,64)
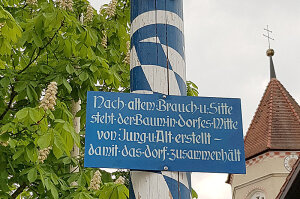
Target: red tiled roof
(276,123)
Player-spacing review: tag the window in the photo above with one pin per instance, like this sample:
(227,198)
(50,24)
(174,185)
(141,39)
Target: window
(257,194)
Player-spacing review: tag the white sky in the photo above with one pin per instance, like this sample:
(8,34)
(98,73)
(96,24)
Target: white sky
(225,55)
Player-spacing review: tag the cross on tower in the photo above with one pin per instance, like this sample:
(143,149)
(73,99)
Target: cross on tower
(268,36)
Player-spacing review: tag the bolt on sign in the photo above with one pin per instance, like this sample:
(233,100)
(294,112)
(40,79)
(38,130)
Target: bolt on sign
(158,132)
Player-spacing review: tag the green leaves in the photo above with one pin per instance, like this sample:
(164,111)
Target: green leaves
(93,68)
(112,191)
(54,191)
(45,43)
(22,114)
(45,140)
(35,115)
(75,136)
(192,89)
(4,137)
(68,48)
(83,195)
(32,175)
(83,76)
(31,152)
(18,154)
(37,40)
(12,31)
(194,194)
(4,82)
(9,33)
(67,85)
(29,115)
(70,69)
(58,146)
(31,93)
(64,137)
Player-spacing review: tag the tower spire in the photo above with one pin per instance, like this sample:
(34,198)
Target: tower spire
(270,53)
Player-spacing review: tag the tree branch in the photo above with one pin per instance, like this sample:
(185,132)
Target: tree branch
(40,49)
(18,191)
(31,60)
(32,189)
(12,96)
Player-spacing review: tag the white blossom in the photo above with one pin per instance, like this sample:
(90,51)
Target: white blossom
(127,58)
(89,14)
(49,100)
(95,181)
(104,40)
(5,144)
(43,154)
(111,9)
(31,2)
(70,5)
(66,4)
(120,180)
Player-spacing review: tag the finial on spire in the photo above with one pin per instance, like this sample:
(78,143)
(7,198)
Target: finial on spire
(270,53)
(268,36)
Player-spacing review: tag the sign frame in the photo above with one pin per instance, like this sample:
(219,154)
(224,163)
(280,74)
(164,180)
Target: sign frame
(159,132)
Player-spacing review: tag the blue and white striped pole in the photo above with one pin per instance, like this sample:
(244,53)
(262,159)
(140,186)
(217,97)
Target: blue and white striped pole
(157,65)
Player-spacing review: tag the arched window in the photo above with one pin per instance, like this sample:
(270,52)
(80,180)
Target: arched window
(257,194)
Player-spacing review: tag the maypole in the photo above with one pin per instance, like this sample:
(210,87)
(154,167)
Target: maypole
(158,66)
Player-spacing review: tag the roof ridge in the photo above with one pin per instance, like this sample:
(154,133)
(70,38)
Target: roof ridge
(257,109)
(270,114)
(282,89)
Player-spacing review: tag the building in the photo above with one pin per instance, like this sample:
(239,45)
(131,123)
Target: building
(272,147)
(291,187)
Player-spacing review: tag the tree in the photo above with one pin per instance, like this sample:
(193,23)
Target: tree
(52,53)
(77,49)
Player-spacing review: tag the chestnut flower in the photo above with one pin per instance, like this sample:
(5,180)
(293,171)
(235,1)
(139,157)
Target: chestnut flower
(5,144)
(95,181)
(120,180)
(43,154)
(31,2)
(127,58)
(104,40)
(66,4)
(111,9)
(89,14)
(49,100)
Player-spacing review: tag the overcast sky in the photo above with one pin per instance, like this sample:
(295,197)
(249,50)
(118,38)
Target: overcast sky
(225,56)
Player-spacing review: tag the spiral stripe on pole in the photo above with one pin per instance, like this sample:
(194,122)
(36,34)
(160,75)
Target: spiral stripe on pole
(157,65)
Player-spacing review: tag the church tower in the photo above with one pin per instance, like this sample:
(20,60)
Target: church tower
(272,143)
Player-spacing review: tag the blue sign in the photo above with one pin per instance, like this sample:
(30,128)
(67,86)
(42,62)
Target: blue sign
(157,132)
